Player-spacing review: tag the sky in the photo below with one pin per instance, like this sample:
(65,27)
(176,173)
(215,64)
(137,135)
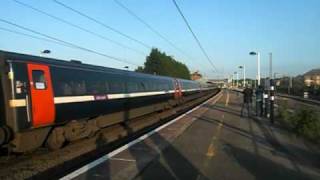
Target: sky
(227,29)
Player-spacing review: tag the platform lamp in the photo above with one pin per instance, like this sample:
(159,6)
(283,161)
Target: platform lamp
(46,51)
(244,74)
(258,64)
(237,78)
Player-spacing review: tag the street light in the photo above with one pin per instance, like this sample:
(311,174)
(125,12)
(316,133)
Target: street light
(46,51)
(244,74)
(258,62)
(237,80)
(231,78)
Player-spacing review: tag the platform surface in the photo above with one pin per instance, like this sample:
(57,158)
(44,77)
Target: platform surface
(214,142)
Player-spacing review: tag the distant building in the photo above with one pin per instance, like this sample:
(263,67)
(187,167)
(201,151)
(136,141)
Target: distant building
(312,77)
(218,82)
(196,76)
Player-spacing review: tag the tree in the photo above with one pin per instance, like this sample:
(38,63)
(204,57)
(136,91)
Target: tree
(139,69)
(159,63)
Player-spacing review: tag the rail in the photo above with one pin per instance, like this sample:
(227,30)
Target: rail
(297,98)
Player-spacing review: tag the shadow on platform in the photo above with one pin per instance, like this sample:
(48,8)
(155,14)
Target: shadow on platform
(261,167)
(171,164)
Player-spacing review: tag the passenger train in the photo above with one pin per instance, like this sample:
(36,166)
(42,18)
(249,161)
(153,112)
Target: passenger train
(41,98)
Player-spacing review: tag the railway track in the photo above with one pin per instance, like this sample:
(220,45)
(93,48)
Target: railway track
(45,164)
(300,99)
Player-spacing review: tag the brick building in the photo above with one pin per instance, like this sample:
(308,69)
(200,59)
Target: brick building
(196,76)
(312,77)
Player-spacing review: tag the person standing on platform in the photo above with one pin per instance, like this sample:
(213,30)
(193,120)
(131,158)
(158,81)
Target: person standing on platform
(259,99)
(247,100)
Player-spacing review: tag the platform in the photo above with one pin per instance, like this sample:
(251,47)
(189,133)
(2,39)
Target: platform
(211,142)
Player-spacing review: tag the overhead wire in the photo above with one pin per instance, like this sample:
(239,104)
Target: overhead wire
(77,26)
(30,36)
(194,35)
(133,14)
(102,24)
(66,42)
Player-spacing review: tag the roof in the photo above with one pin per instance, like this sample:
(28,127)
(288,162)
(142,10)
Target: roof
(313,72)
(52,61)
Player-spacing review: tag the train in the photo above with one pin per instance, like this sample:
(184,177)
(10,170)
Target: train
(46,101)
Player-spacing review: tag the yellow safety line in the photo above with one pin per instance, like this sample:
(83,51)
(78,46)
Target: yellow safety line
(227,100)
(211,149)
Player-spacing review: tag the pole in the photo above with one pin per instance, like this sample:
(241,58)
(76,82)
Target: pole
(233,80)
(290,85)
(244,75)
(258,59)
(270,67)
(237,79)
(271,92)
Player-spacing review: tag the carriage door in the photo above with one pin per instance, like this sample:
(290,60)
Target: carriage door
(42,103)
(177,89)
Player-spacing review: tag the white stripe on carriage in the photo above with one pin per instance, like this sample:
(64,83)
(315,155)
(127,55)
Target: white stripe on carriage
(17,102)
(73,99)
(86,98)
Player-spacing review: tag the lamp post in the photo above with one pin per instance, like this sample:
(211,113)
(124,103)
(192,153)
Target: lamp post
(233,80)
(229,80)
(258,64)
(244,75)
(272,89)
(237,79)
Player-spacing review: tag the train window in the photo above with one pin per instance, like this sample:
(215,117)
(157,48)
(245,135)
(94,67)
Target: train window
(154,86)
(165,87)
(95,87)
(66,89)
(161,86)
(116,87)
(133,87)
(39,79)
(107,86)
(148,86)
(79,88)
(142,87)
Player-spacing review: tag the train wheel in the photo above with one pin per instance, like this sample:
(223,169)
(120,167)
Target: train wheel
(5,135)
(56,139)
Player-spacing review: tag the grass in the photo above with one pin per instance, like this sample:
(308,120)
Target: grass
(304,122)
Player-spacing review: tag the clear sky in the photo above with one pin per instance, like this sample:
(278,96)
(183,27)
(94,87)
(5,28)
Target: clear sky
(228,30)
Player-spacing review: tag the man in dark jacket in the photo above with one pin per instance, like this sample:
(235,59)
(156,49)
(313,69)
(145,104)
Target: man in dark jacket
(247,100)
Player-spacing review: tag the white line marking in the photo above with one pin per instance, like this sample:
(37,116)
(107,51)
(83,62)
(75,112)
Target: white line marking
(121,159)
(124,147)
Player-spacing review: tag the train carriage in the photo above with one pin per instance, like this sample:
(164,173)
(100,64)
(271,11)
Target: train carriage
(38,95)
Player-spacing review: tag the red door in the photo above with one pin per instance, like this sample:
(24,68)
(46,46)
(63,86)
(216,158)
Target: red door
(177,89)
(42,103)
